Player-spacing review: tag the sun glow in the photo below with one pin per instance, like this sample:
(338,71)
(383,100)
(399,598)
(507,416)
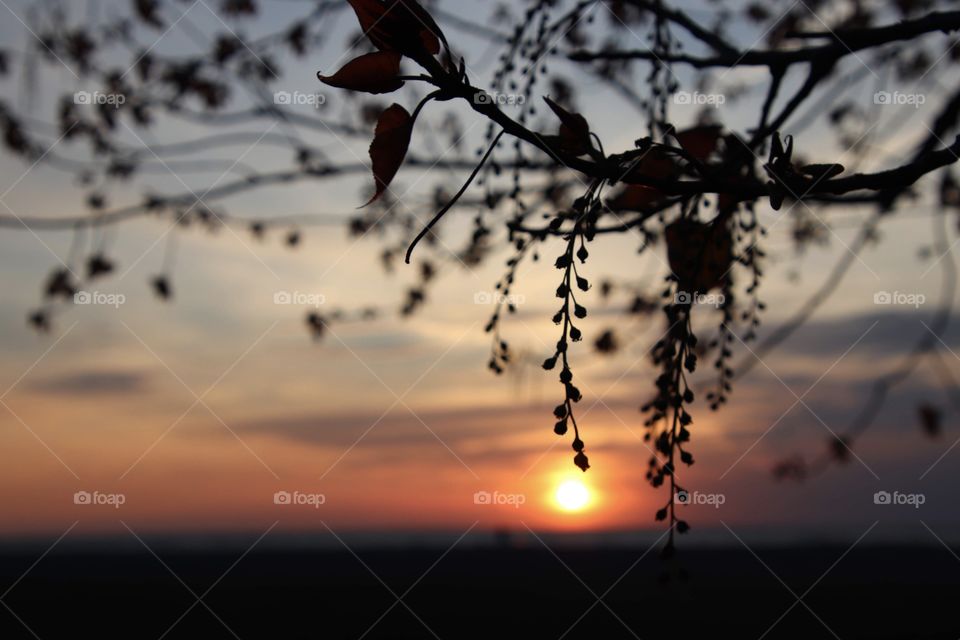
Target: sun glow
(572,495)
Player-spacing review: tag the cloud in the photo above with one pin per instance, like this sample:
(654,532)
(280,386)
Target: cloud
(896,332)
(92,383)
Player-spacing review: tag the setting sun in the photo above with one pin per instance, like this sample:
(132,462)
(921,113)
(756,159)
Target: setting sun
(572,495)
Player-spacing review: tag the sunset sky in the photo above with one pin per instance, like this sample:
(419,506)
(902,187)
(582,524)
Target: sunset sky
(199,410)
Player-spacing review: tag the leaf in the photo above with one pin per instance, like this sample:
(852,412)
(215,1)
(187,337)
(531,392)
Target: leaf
(655,163)
(389,147)
(430,33)
(700,254)
(402,26)
(373,19)
(634,197)
(574,135)
(700,141)
(376,72)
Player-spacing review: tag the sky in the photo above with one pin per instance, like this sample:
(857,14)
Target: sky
(199,411)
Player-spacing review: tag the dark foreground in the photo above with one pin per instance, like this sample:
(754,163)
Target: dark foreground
(895,593)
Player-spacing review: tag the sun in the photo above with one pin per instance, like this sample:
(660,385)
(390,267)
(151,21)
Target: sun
(572,495)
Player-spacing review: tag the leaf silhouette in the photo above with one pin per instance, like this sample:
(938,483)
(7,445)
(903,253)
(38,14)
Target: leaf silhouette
(574,134)
(403,26)
(427,30)
(389,146)
(634,197)
(700,254)
(700,141)
(655,163)
(376,72)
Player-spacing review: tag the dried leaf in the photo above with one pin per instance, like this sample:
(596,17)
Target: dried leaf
(634,197)
(389,147)
(655,164)
(376,72)
(700,141)
(402,26)
(574,130)
(700,254)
